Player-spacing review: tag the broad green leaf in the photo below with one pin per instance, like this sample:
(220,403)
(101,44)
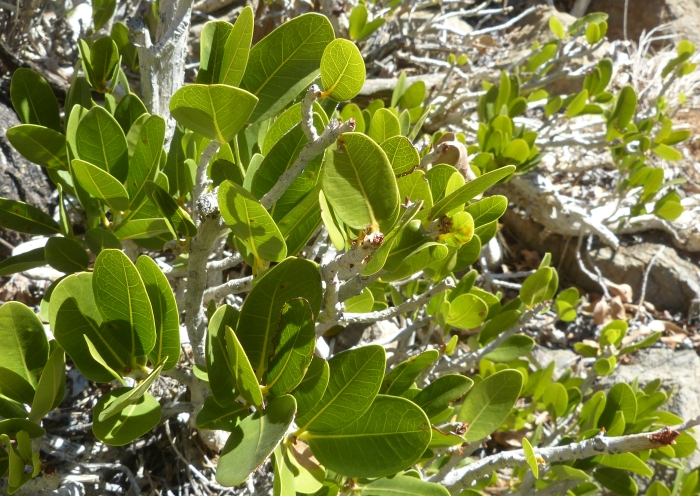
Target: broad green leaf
(498,324)
(49,387)
(132,396)
(237,49)
(384,125)
(309,475)
(616,481)
(222,169)
(101,184)
(342,70)
(371,446)
(413,96)
(253,440)
(102,11)
(401,377)
(294,347)
(577,104)
(527,447)
(221,380)
(66,255)
(144,163)
(33,99)
(130,108)
(556,399)
(512,348)
(213,416)
(362,303)
(534,288)
(177,218)
(657,488)
(355,378)
(669,206)
(625,108)
(25,349)
(310,390)
(300,224)
(469,191)
(404,485)
(489,403)
(24,218)
(249,221)
(352,111)
(360,185)
(331,223)
(73,315)
(98,358)
(402,155)
(104,57)
(467,312)
(415,188)
(212,44)
(15,386)
(620,397)
(283,483)
(214,111)
(39,144)
(78,94)
(11,427)
(165,313)
(441,392)
(130,424)
(285,123)
(556,27)
(292,278)
(627,461)
(285,62)
(141,228)
(97,239)
(246,382)
(101,142)
(11,409)
(122,301)
(487,209)
(667,153)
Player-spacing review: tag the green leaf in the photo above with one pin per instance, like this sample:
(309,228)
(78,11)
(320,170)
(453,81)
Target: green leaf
(15,387)
(66,255)
(667,153)
(249,221)
(404,485)
(400,378)
(300,224)
(527,447)
(130,424)
(285,123)
(489,403)
(616,481)
(384,125)
(11,427)
(534,288)
(627,461)
(141,228)
(214,111)
(512,348)
(342,70)
(24,261)
(221,380)
(101,184)
(467,311)
(487,209)
(73,315)
(402,155)
(104,58)
(352,111)
(577,104)
(469,191)
(372,447)
(102,11)
(50,384)
(441,392)
(131,397)
(252,441)
(293,349)
(657,488)
(98,358)
(24,218)
(177,218)
(145,161)
(40,145)
(362,303)
(246,382)
(283,483)
(25,349)
(213,416)
(625,108)
(165,313)
(360,185)
(413,96)
(212,46)
(237,49)
(556,399)
(310,390)
(122,301)
(11,409)
(558,30)
(620,397)
(33,99)
(355,379)
(292,278)
(101,142)
(285,62)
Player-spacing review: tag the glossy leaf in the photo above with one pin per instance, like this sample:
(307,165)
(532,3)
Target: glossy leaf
(489,403)
(401,377)
(66,255)
(360,185)
(51,383)
(130,108)
(372,447)
(355,378)
(441,392)
(214,111)
(122,300)
(294,347)
(130,424)
(101,142)
(283,63)
(213,416)
(177,218)
(132,396)
(33,99)
(25,349)
(512,348)
(24,218)
(404,485)
(165,313)
(253,440)
(39,144)
(467,311)
(342,70)
(384,125)
(101,184)
(616,481)
(145,161)
(310,390)
(15,387)
(402,155)
(243,373)
(221,379)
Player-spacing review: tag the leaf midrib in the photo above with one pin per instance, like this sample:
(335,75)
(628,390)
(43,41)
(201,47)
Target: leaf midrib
(362,190)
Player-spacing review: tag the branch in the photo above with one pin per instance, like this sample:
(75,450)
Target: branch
(307,113)
(234,286)
(599,445)
(200,179)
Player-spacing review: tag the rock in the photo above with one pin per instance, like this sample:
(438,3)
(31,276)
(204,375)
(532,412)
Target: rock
(19,179)
(678,370)
(564,358)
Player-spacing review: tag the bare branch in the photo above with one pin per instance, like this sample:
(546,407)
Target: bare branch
(234,286)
